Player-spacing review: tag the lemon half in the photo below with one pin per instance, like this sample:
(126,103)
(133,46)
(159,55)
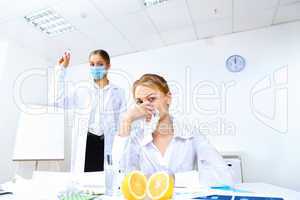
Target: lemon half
(160,186)
(134,186)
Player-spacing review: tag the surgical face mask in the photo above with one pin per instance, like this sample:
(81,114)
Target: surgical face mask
(98,72)
(149,127)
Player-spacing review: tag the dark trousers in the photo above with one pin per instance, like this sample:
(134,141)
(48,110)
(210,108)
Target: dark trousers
(94,155)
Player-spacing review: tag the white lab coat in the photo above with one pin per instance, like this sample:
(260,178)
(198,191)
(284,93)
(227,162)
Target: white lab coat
(80,97)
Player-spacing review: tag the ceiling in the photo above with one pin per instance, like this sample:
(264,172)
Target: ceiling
(127,26)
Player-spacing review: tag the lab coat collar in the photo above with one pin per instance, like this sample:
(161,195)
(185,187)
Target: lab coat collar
(108,86)
(181,131)
(95,86)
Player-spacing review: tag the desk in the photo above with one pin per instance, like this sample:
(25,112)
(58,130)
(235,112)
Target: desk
(46,185)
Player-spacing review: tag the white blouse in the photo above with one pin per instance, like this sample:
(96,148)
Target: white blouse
(188,150)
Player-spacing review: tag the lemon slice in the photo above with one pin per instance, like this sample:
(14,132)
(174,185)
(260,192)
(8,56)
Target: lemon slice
(160,186)
(134,186)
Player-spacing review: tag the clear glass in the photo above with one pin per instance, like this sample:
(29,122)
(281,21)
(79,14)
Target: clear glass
(112,178)
(109,181)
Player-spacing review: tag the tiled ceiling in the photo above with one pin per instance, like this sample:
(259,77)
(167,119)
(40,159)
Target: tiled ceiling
(127,26)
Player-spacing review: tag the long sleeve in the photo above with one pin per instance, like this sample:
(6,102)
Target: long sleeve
(126,150)
(60,93)
(122,107)
(213,170)
(125,154)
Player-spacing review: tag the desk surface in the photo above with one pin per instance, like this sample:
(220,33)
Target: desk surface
(47,185)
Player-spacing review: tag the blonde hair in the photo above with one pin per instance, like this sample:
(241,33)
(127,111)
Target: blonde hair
(152,81)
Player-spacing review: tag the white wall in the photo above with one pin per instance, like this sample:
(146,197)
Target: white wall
(267,138)
(14,61)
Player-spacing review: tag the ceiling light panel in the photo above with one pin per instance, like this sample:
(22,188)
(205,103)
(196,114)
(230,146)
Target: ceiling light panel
(49,22)
(149,3)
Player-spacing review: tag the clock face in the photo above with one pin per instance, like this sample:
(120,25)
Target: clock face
(235,63)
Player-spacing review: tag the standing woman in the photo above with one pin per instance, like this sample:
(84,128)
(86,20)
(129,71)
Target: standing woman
(100,104)
(167,146)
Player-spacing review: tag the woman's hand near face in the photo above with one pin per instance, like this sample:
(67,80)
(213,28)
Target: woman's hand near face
(65,60)
(144,110)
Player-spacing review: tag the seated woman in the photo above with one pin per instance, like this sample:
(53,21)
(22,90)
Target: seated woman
(170,146)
